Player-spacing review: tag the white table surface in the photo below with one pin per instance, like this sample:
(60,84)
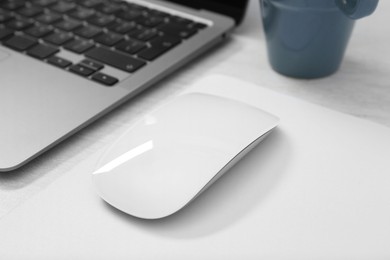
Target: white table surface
(361,88)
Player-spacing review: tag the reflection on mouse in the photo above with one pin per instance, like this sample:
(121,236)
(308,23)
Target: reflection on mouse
(174,153)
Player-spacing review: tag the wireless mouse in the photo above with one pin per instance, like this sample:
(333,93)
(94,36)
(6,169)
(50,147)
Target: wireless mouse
(173,154)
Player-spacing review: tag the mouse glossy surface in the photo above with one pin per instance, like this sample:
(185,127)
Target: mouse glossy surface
(166,159)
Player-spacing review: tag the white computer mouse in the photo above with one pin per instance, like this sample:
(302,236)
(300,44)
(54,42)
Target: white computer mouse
(173,154)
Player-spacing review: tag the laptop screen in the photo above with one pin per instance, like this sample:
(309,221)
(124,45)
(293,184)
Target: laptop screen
(232,8)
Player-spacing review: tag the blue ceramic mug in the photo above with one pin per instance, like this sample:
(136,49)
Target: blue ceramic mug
(308,38)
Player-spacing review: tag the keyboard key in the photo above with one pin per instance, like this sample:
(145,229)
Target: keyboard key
(20,43)
(130,15)
(68,25)
(109,8)
(59,38)
(39,31)
(165,41)
(82,13)
(159,14)
(30,11)
(177,30)
(101,20)
(44,3)
(143,34)
(115,59)
(123,27)
(180,20)
(108,39)
(63,7)
(5,16)
(88,32)
(159,47)
(42,51)
(49,18)
(59,62)
(131,46)
(104,79)
(19,24)
(90,3)
(12,5)
(150,21)
(5,33)
(81,70)
(92,64)
(79,46)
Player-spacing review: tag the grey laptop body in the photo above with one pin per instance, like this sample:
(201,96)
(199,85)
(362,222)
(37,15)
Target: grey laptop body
(52,86)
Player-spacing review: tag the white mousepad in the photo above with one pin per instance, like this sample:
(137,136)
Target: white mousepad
(316,188)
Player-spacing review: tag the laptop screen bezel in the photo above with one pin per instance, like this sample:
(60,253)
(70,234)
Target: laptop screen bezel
(233,8)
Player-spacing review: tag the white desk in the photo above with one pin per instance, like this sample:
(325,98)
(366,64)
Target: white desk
(361,88)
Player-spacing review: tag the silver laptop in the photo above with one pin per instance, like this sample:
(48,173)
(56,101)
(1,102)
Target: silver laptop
(65,63)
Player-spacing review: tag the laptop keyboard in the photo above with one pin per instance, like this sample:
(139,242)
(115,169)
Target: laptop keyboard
(120,34)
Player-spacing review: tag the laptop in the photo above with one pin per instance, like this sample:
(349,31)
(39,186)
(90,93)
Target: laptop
(65,63)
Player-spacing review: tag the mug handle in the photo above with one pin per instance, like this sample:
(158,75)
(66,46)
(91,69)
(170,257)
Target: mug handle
(356,9)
